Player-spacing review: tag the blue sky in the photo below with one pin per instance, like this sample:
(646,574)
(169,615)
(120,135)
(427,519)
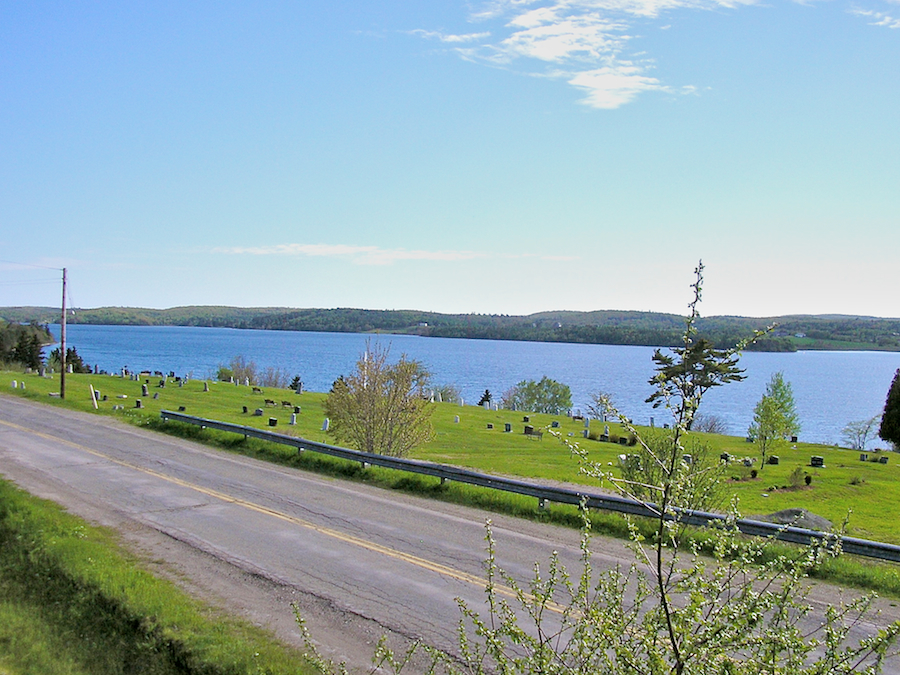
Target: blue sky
(507,156)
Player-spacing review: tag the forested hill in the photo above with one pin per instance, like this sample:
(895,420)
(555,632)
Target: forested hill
(599,327)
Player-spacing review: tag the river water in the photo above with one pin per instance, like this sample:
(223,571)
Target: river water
(830,388)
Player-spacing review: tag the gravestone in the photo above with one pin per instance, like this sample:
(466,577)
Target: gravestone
(293,419)
(181,408)
(883,459)
(507,428)
(526,418)
(258,412)
(773,459)
(529,430)
(15,384)
(273,422)
(490,426)
(456,419)
(793,439)
(206,386)
(144,390)
(606,430)
(864,457)
(623,440)
(554,424)
(817,462)
(155,395)
(245,409)
(296,409)
(138,403)
(586,433)
(325,424)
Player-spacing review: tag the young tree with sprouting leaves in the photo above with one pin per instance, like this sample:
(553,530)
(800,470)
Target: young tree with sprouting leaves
(381,407)
(738,609)
(856,434)
(775,417)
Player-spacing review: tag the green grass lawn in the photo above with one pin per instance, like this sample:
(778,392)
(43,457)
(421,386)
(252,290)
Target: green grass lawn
(867,489)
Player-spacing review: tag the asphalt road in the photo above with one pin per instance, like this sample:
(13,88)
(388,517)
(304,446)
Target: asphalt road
(393,561)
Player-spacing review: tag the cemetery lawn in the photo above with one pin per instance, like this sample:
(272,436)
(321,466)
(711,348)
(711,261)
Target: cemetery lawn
(867,490)
(845,484)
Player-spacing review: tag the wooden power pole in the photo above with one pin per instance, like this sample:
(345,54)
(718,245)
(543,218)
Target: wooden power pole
(62,341)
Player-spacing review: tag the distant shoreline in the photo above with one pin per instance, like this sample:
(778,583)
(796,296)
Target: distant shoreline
(608,327)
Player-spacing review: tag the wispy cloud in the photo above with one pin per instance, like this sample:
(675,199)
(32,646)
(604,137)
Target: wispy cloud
(447,38)
(372,255)
(878,18)
(582,42)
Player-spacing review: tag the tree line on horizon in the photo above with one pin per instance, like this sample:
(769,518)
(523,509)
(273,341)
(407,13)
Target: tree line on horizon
(597,327)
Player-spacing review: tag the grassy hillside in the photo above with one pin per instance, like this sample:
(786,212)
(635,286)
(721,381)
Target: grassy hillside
(869,489)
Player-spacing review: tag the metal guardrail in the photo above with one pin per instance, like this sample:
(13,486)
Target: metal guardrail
(544,494)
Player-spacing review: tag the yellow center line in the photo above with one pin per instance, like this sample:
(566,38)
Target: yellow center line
(327,531)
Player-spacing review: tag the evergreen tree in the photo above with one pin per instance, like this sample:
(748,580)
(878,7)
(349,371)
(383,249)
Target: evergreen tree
(28,351)
(890,420)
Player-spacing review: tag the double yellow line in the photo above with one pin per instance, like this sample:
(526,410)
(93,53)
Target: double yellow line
(420,562)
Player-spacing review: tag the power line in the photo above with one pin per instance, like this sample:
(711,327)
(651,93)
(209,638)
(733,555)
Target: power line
(43,267)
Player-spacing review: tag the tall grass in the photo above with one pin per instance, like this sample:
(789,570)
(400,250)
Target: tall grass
(74,602)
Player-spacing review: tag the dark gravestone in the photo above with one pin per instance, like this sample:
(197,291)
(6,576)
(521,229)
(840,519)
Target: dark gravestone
(528,429)
(244,409)
(272,421)
(817,462)
(507,428)
(181,408)
(490,426)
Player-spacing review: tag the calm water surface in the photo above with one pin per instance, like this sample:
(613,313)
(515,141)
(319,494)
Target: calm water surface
(830,388)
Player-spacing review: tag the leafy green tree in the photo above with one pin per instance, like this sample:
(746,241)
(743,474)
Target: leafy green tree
(545,396)
(775,416)
(381,407)
(890,420)
(486,397)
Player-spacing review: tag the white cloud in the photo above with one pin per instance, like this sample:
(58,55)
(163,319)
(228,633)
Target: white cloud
(450,39)
(611,87)
(880,18)
(370,255)
(581,42)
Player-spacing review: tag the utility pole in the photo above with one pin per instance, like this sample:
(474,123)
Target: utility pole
(62,342)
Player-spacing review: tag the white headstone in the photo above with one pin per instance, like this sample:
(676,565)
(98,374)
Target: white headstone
(325,424)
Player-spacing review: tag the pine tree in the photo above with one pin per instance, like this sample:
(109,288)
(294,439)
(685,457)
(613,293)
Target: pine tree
(890,420)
